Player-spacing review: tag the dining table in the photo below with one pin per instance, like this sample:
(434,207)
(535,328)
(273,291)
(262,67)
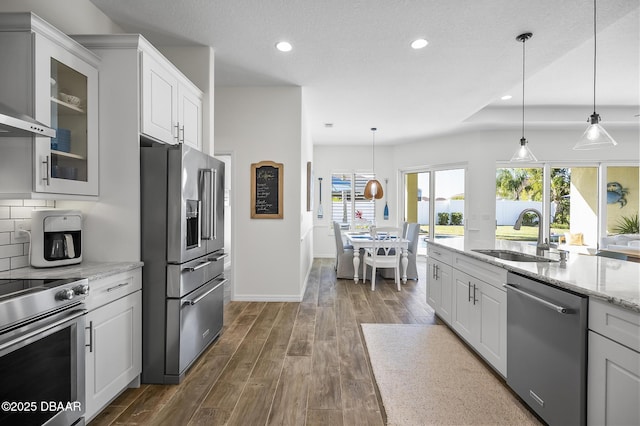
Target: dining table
(364,240)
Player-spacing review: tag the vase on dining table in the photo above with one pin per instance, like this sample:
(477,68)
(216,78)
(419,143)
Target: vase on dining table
(361,224)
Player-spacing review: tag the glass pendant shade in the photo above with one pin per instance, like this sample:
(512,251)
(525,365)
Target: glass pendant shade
(595,137)
(523,154)
(373,189)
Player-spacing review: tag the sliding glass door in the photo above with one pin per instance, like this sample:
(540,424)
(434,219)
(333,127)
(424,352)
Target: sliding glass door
(434,198)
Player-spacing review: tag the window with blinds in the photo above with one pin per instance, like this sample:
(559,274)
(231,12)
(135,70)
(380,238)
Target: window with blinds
(347,198)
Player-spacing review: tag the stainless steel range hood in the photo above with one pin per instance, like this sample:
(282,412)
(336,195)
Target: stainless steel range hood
(12,124)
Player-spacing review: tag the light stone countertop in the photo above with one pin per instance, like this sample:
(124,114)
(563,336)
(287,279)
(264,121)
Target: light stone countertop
(612,280)
(89,270)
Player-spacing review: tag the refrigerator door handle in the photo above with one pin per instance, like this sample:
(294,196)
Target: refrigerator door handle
(215,259)
(192,302)
(195,268)
(214,203)
(208,232)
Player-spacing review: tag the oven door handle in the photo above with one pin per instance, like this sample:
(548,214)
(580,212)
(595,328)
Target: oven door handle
(192,302)
(40,329)
(557,308)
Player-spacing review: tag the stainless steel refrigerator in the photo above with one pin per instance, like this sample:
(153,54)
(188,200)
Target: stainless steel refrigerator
(182,196)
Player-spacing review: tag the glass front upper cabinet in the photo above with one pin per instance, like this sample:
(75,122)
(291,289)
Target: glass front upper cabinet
(68,163)
(69,118)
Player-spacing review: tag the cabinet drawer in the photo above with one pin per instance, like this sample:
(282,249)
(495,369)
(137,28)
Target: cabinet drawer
(494,275)
(618,324)
(113,287)
(440,254)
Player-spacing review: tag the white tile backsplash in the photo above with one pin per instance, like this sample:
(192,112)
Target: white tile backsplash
(19,262)
(37,203)
(6,225)
(12,202)
(14,247)
(11,250)
(21,212)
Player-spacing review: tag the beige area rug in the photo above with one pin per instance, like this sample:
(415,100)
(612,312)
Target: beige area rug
(426,376)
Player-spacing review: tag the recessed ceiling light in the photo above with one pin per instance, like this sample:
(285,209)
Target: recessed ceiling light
(506,97)
(419,43)
(284,46)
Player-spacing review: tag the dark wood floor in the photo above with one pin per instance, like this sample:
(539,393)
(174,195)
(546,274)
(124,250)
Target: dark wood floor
(284,363)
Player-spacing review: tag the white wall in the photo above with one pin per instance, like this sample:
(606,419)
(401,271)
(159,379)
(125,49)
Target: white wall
(256,124)
(349,159)
(479,150)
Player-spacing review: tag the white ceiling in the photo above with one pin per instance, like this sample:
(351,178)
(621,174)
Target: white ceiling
(353,60)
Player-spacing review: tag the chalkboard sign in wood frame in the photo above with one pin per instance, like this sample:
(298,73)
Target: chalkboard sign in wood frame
(266,190)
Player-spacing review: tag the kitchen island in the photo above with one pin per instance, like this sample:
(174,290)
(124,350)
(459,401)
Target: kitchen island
(612,280)
(468,291)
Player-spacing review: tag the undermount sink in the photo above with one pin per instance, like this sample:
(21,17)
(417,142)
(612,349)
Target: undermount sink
(513,255)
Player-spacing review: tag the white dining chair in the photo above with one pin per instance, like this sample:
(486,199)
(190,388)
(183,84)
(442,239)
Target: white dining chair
(385,252)
(411,232)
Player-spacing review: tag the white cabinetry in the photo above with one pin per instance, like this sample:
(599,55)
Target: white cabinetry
(479,315)
(468,295)
(464,313)
(439,284)
(479,311)
(53,79)
(171,105)
(190,116)
(114,336)
(613,377)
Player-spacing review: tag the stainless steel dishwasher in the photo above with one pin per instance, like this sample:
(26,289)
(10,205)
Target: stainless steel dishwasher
(546,349)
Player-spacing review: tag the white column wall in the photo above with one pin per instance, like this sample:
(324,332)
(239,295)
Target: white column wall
(258,124)
(306,217)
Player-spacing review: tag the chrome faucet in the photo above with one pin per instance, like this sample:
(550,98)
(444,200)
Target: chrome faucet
(541,245)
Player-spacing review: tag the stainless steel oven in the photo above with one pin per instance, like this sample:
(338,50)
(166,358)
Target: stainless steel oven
(42,347)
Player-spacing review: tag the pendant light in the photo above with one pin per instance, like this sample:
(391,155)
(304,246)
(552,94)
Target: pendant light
(373,189)
(595,136)
(523,154)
